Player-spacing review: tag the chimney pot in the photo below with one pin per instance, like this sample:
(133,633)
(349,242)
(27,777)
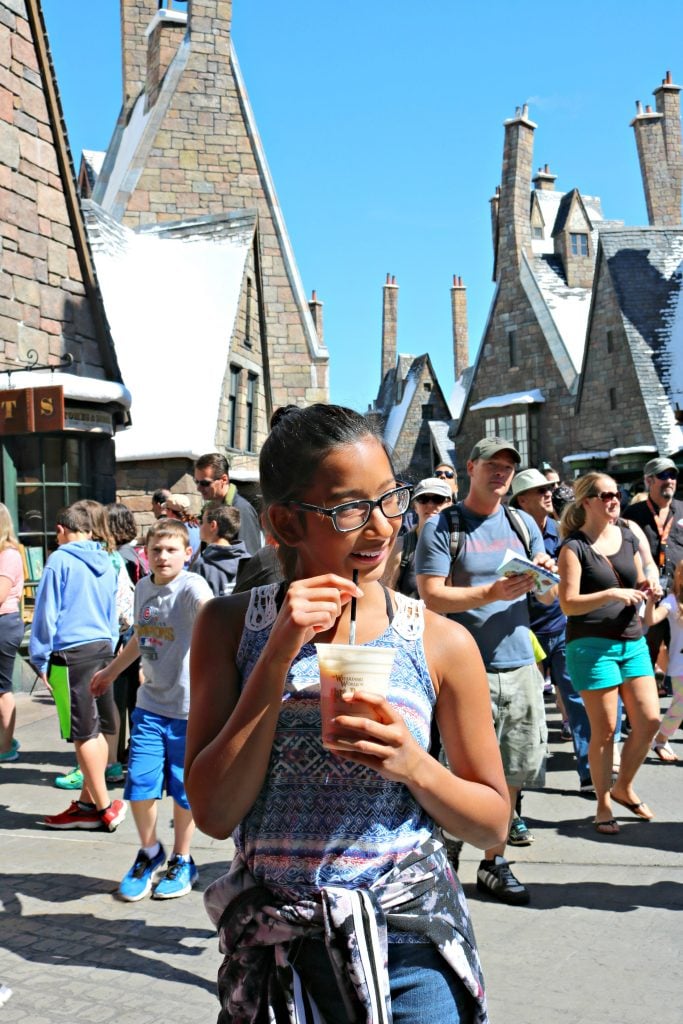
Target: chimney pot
(388,281)
(314,297)
(393,279)
(668,78)
(648,109)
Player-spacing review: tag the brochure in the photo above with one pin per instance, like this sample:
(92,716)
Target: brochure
(514,564)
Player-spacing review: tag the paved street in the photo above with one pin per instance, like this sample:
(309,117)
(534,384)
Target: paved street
(600,942)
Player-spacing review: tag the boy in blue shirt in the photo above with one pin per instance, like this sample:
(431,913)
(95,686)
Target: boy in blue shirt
(166,605)
(72,635)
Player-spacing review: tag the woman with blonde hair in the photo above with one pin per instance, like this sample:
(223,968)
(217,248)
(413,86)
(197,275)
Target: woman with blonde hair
(602,587)
(11,630)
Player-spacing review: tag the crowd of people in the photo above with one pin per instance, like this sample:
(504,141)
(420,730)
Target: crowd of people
(186,664)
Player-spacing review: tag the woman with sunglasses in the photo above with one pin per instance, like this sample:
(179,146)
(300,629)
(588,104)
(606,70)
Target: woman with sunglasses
(340,891)
(602,590)
(430,497)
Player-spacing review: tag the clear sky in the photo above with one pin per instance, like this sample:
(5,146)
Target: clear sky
(382,125)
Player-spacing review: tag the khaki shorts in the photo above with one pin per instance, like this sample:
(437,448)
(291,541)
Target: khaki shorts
(519,720)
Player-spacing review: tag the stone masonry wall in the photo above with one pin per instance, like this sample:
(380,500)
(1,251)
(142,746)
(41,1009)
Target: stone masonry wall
(43,304)
(203,161)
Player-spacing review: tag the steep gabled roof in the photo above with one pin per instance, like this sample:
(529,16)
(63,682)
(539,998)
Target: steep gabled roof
(646,270)
(159,284)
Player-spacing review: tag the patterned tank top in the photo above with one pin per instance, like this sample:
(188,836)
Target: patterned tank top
(319,819)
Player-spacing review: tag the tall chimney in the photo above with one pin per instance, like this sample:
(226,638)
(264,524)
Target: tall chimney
(658,140)
(514,225)
(461,355)
(164,36)
(389,324)
(136,16)
(316,308)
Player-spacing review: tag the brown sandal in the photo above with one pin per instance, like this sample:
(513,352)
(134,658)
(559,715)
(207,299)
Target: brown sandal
(607,828)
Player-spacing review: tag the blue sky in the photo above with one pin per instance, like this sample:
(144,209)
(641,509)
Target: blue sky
(382,125)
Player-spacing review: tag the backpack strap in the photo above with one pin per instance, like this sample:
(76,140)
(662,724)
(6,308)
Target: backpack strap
(516,521)
(519,527)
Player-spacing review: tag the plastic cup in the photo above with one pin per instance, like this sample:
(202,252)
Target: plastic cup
(345,668)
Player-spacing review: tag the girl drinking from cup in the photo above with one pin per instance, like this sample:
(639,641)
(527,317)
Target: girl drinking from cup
(340,892)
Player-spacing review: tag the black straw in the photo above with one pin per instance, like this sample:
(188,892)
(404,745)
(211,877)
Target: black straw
(352,625)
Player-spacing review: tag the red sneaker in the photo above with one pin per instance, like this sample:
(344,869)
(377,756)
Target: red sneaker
(112,816)
(74,817)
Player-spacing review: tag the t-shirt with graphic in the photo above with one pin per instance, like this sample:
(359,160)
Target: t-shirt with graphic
(164,617)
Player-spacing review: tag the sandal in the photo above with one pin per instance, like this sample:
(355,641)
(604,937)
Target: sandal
(664,752)
(638,807)
(607,828)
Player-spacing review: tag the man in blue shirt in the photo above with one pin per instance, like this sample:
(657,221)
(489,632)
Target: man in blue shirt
(494,608)
(532,492)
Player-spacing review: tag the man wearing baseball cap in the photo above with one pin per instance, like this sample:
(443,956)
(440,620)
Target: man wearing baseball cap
(660,517)
(532,491)
(467,588)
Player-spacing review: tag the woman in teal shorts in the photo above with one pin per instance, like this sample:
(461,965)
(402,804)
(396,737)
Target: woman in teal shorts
(602,589)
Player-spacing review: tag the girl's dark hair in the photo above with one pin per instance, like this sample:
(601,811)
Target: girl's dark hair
(299,439)
(121,523)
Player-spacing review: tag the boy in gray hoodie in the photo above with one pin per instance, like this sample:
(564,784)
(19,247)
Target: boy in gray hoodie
(220,559)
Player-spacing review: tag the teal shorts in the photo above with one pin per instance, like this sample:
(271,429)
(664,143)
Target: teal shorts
(595,663)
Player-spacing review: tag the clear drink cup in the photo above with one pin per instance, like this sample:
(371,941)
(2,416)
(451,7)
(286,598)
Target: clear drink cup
(344,669)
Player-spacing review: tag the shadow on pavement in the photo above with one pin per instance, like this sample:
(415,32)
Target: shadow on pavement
(84,940)
(617,898)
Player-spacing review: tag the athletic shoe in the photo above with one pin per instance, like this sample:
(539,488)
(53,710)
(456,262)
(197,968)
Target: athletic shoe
(112,816)
(16,745)
(113,774)
(181,875)
(10,755)
(586,788)
(71,780)
(138,882)
(496,878)
(519,833)
(5,993)
(75,816)
(453,851)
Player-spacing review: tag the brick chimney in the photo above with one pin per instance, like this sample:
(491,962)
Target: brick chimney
(658,140)
(544,180)
(136,16)
(316,308)
(514,225)
(461,356)
(164,35)
(389,324)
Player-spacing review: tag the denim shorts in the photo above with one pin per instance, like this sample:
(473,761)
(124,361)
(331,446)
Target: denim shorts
(11,635)
(424,989)
(596,663)
(519,720)
(156,758)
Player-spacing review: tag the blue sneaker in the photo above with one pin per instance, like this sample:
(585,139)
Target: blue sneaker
(181,875)
(138,882)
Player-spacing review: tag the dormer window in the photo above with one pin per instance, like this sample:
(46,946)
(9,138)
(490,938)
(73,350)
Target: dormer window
(579,243)
(537,231)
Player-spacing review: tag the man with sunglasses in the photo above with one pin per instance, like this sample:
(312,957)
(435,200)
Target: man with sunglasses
(444,471)
(660,517)
(212,479)
(465,585)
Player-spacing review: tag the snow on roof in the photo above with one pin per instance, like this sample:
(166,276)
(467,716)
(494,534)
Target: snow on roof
(442,442)
(87,389)
(171,295)
(456,402)
(645,449)
(514,398)
(583,456)
(561,311)
(549,204)
(398,412)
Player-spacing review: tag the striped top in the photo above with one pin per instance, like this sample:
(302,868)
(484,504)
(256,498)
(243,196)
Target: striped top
(319,819)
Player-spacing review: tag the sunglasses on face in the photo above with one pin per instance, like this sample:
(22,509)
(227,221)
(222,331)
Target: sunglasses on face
(448,473)
(667,474)
(607,496)
(545,490)
(203,483)
(432,499)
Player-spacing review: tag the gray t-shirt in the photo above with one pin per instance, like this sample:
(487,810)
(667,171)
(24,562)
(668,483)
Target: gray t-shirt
(501,629)
(164,617)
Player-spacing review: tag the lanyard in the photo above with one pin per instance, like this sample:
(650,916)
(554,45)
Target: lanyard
(663,531)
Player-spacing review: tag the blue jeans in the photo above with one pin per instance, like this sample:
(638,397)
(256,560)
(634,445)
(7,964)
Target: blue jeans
(556,659)
(424,990)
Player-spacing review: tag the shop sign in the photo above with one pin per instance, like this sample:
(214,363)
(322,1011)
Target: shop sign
(89,421)
(31,410)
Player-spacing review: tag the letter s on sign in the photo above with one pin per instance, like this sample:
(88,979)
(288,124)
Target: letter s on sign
(47,406)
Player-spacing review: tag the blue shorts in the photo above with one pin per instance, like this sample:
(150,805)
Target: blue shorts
(156,758)
(595,663)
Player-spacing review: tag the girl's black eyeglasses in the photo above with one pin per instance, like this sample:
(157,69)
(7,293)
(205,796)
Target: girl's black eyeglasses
(352,515)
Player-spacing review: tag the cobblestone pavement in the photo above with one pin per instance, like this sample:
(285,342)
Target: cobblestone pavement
(600,941)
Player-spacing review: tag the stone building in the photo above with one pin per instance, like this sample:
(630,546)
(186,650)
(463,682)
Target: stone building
(201,288)
(62,392)
(579,361)
(415,417)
